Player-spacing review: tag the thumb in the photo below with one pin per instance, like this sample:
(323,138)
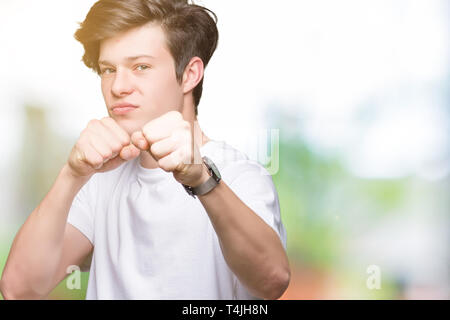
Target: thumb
(141,142)
(129,152)
(138,139)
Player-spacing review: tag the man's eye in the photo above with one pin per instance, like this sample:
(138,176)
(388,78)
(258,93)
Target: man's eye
(106,71)
(142,67)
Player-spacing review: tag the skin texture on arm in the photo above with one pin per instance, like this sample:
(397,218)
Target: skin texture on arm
(37,254)
(251,248)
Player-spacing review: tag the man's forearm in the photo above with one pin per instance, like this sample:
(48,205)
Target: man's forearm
(251,248)
(36,249)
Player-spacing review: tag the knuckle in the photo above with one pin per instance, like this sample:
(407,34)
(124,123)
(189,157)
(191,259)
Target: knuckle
(116,147)
(87,131)
(106,120)
(125,140)
(79,144)
(154,149)
(95,160)
(109,122)
(93,122)
(174,137)
(96,164)
(107,154)
(187,133)
(83,134)
(121,138)
(161,163)
(146,128)
(180,154)
(147,135)
(184,136)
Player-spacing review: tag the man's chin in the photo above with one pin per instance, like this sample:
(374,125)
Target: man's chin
(130,126)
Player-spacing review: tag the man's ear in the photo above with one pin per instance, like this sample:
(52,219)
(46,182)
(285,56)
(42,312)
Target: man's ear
(193,74)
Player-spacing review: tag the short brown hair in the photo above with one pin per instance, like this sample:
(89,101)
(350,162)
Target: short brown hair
(190,30)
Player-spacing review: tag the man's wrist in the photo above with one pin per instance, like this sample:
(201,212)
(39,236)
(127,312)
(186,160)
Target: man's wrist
(204,177)
(74,179)
(209,180)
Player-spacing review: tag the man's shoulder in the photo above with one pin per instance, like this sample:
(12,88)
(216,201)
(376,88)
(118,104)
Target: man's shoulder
(231,161)
(222,153)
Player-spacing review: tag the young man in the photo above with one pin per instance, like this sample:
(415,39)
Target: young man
(157,209)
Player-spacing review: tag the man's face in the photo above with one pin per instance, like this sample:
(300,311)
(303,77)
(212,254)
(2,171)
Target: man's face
(147,82)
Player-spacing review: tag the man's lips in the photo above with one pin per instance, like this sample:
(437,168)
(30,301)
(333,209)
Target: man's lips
(122,108)
(123,105)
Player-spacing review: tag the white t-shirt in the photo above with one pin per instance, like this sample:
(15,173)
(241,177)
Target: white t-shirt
(154,241)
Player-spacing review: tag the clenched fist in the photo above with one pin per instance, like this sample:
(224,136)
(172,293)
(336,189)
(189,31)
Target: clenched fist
(170,141)
(102,146)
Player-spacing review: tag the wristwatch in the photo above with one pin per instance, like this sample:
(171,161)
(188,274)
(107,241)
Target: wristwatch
(209,184)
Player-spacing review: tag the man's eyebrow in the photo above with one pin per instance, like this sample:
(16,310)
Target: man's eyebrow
(128,59)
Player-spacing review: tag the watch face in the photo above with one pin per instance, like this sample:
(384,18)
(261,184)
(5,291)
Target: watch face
(212,166)
(215,170)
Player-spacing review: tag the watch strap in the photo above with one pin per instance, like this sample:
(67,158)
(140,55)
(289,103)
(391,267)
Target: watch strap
(205,187)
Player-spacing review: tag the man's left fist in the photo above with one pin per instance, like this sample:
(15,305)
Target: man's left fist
(169,139)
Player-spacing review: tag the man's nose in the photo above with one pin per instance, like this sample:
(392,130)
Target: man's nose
(122,84)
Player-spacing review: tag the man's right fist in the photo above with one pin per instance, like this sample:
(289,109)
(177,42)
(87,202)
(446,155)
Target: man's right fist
(102,146)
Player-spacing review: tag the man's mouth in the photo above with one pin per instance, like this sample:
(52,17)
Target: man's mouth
(123,108)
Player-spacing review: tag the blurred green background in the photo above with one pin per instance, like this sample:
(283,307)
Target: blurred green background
(360,94)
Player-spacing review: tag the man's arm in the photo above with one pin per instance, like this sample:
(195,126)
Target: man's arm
(37,260)
(45,245)
(251,248)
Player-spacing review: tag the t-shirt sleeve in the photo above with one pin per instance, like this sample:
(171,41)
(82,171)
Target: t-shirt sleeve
(253,184)
(81,213)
